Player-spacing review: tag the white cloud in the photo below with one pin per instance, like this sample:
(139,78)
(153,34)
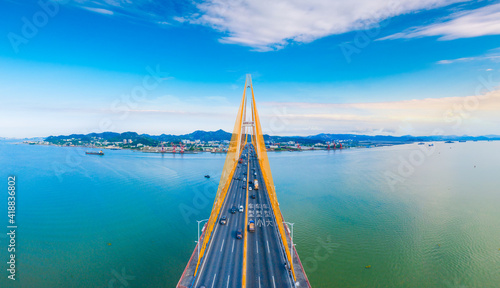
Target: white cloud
(267,25)
(270,25)
(467,59)
(99,10)
(152,11)
(472,115)
(476,115)
(466,24)
(492,55)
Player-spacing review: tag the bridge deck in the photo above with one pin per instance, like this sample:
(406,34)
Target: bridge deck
(222,265)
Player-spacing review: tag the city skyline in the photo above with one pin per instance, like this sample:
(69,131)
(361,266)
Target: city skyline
(364,67)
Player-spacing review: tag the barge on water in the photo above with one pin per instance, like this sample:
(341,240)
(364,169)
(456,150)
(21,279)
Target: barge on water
(95,153)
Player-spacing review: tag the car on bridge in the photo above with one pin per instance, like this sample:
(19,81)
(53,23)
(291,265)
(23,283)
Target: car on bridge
(251,226)
(241,208)
(253,196)
(233,209)
(239,234)
(223,220)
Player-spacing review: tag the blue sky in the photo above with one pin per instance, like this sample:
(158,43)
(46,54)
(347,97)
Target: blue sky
(362,66)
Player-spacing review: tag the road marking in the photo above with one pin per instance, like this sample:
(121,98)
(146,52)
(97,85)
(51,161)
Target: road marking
(289,280)
(213,282)
(274,284)
(257,245)
(268,251)
(198,275)
(259,281)
(227,281)
(222,245)
(232,250)
(245,243)
(214,232)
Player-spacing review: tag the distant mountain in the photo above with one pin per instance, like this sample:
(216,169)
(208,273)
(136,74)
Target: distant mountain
(387,138)
(218,135)
(221,135)
(21,139)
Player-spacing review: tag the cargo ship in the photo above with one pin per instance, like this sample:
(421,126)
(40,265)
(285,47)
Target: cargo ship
(95,153)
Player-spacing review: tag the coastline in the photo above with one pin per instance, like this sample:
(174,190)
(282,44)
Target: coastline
(158,149)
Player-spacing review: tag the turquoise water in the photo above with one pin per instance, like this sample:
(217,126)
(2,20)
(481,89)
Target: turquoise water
(127,219)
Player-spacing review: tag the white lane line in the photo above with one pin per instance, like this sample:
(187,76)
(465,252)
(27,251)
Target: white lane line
(257,245)
(227,281)
(207,253)
(232,249)
(274,284)
(213,282)
(223,245)
(268,251)
(289,280)
(259,281)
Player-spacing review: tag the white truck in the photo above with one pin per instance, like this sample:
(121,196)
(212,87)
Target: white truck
(256,184)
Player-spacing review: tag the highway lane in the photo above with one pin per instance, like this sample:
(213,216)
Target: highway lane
(223,263)
(266,260)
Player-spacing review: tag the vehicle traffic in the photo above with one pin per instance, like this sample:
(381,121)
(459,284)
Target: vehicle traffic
(251,226)
(239,234)
(223,220)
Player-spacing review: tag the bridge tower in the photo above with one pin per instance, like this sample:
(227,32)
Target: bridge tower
(247,125)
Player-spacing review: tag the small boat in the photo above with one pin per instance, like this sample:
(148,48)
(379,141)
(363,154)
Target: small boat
(95,153)
(207,176)
(421,143)
(432,144)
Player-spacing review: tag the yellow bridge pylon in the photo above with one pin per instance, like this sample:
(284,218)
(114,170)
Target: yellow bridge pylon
(238,141)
